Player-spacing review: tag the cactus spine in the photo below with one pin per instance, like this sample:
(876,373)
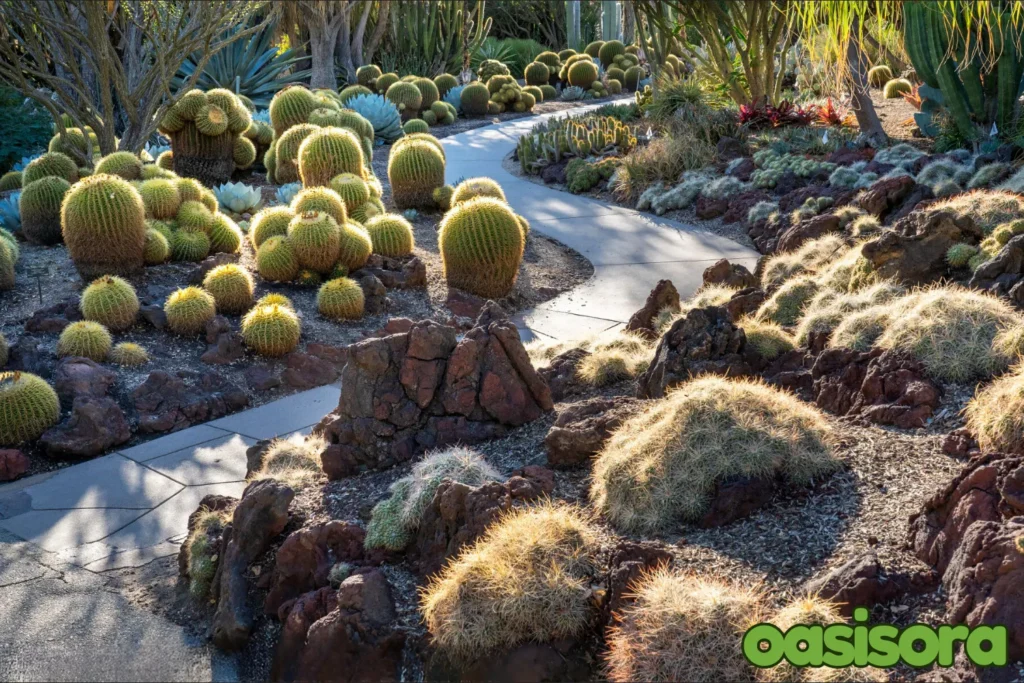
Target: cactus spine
(327,153)
(271,330)
(110,301)
(188,310)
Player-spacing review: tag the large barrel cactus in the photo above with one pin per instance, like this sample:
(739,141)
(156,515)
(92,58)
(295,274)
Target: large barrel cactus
(286,152)
(481,244)
(290,107)
(28,407)
(328,152)
(316,239)
(103,221)
(205,129)
(271,330)
(39,205)
(415,170)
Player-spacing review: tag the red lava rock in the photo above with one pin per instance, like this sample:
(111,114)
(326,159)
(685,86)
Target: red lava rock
(215,327)
(305,558)
(886,195)
(704,341)
(745,302)
(730,275)
(463,304)
(53,319)
(562,660)
(560,373)
(306,371)
(393,326)
(375,294)
(959,442)
(810,229)
(95,425)
(740,205)
(210,503)
(531,482)
(744,170)
(914,251)
(664,295)
(628,562)
(737,498)
(581,430)
(847,156)
(261,379)
(297,616)
(335,355)
(76,377)
(13,464)
(261,514)
(884,387)
(410,392)
(397,273)
(859,582)
(707,208)
(227,349)
(168,403)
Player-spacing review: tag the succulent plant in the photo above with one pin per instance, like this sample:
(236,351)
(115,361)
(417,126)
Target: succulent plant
(453,97)
(390,235)
(166,160)
(271,330)
(321,199)
(189,189)
(193,216)
(110,301)
(368,75)
(476,187)
(385,81)
(407,97)
(238,197)
(10,181)
(341,299)
(316,239)
(276,260)
(286,193)
(39,206)
(415,170)
(50,164)
(489,68)
(286,152)
(74,143)
(352,189)
(160,197)
(124,164)
(328,152)
(225,235)
(128,355)
(7,260)
(10,212)
(103,221)
(474,98)
(879,75)
(444,83)
(157,248)
(355,246)
(572,94)
(634,77)
(84,338)
(188,310)
(28,407)
(428,92)
(536,73)
(415,126)
(290,107)
(896,88)
(205,131)
(275,298)
(190,247)
(268,222)
(481,243)
(231,287)
(367,210)
(308,278)
(382,114)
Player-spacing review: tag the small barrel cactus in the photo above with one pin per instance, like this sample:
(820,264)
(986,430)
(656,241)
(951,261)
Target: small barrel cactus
(385,81)
(225,235)
(475,98)
(352,189)
(415,126)
(477,187)
(128,355)
(444,83)
(582,74)
(268,222)
(443,197)
(50,164)
(39,205)
(10,181)
(391,235)
(188,310)
(609,51)
(291,107)
(308,278)
(355,247)
(878,76)
(275,299)
(85,338)
(74,142)
(634,75)
(157,248)
(28,407)
(320,199)
(286,152)
(896,88)
(481,243)
(341,299)
(103,221)
(161,198)
(276,260)
(367,75)
(271,330)
(124,164)
(326,153)
(231,287)
(536,73)
(407,97)
(415,170)
(110,301)
(194,217)
(189,247)
(316,239)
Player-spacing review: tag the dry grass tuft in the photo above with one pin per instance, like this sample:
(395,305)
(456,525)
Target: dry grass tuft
(527,579)
(861,329)
(809,258)
(988,208)
(787,304)
(708,295)
(661,466)
(770,340)
(829,308)
(995,416)
(614,356)
(682,627)
(849,273)
(295,462)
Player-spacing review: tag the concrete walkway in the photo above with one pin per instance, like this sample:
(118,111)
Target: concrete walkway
(59,531)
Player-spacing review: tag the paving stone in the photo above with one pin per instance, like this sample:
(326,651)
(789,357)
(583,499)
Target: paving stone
(57,530)
(214,462)
(172,442)
(284,415)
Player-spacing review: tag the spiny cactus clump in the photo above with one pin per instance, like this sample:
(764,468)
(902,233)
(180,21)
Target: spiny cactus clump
(407,97)
(85,338)
(189,247)
(124,164)
(188,310)
(110,301)
(368,75)
(157,248)
(269,222)
(291,107)
(959,255)
(355,246)
(103,221)
(10,181)
(896,88)
(327,152)
(225,235)
(477,187)
(231,287)
(536,73)
(50,164)
(481,244)
(489,68)
(28,407)
(194,217)
(316,239)
(204,129)
(415,126)
(415,170)
(39,205)
(878,76)
(352,189)
(341,299)
(443,197)
(428,91)
(74,143)
(271,330)
(128,355)
(308,278)
(152,172)
(391,235)
(161,198)
(474,99)
(444,83)
(276,260)
(385,81)
(320,199)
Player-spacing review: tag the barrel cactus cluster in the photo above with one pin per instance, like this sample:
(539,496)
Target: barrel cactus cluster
(207,132)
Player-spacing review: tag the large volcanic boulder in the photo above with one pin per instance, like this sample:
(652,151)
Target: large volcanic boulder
(664,295)
(582,429)
(704,341)
(885,387)
(810,229)
(731,275)
(914,251)
(423,389)
(1003,274)
(886,196)
(169,403)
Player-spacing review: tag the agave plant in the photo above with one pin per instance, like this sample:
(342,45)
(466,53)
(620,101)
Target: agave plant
(238,197)
(286,193)
(454,98)
(10,214)
(381,113)
(573,93)
(151,151)
(252,67)
(261,115)
(25,161)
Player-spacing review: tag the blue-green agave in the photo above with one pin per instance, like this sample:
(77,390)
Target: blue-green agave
(238,197)
(286,193)
(381,113)
(10,214)
(454,98)
(573,93)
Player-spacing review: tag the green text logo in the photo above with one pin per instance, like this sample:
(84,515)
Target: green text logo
(882,645)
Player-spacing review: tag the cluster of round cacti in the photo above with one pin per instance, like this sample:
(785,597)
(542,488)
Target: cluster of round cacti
(878,76)
(771,166)
(481,241)
(506,95)
(208,132)
(28,407)
(184,222)
(489,68)
(415,169)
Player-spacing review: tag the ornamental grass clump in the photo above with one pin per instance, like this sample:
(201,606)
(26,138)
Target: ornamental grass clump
(613,358)
(661,466)
(28,407)
(394,520)
(829,308)
(787,304)
(995,416)
(768,339)
(294,461)
(527,579)
(809,258)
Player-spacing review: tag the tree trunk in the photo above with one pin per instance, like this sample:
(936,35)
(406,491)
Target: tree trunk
(628,23)
(322,39)
(863,108)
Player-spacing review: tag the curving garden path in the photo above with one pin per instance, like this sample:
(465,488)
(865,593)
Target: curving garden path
(60,531)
